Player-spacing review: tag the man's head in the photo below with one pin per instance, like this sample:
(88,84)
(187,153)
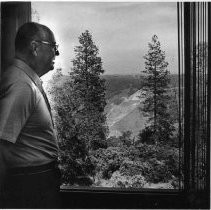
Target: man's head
(36,45)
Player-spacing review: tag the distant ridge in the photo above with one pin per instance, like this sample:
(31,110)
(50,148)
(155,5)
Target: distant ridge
(123,102)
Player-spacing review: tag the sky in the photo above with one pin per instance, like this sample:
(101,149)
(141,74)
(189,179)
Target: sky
(121,31)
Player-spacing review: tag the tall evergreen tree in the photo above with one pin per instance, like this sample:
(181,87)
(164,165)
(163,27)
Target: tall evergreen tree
(75,161)
(89,88)
(79,103)
(155,105)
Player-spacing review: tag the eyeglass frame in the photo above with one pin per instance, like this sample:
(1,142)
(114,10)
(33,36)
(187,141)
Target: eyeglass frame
(55,46)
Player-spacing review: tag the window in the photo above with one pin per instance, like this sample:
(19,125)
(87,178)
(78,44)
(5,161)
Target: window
(117,121)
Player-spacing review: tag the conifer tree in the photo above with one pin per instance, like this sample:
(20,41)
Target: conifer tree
(79,106)
(155,105)
(89,88)
(75,161)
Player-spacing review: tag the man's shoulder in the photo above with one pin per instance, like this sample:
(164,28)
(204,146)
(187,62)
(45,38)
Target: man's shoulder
(16,81)
(14,75)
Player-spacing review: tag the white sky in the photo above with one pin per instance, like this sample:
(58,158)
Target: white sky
(121,30)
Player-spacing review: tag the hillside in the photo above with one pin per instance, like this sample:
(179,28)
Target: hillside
(126,116)
(116,84)
(123,102)
(126,85)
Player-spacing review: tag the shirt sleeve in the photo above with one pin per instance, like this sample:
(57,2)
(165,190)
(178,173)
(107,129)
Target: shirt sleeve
(16,105)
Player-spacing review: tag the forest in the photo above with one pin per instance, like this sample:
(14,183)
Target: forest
(90,154)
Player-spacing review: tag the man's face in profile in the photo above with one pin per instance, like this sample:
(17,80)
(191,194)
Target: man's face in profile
(47,53)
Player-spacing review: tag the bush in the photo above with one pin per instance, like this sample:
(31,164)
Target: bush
(162,162)
(146,136)
(123,181)
(158,171)
(113,141)
(130,168)
(153,170)
(155,163)
(108,160)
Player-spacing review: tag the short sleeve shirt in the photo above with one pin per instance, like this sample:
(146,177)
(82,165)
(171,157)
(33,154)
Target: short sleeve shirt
(25,119)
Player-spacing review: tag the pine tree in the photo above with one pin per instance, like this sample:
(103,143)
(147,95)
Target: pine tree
(155,105)
(79,109)
(89,88)
(75,161)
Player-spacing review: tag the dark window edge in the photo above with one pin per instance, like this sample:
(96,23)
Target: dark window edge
(120,190)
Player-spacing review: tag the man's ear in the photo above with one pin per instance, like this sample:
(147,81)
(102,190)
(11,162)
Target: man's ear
(33,47)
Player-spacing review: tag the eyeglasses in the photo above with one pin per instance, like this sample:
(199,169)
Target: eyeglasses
(55,46)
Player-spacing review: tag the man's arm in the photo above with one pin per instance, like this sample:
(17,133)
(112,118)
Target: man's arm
(15,108)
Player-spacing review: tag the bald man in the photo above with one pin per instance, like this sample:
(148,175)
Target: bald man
(29,174)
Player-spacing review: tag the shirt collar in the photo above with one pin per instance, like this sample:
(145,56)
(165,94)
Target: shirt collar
(28,70)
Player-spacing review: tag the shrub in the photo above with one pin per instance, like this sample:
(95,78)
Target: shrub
(113,141)
(155,163)
(123,181)
(108,160)
(146,136)
(161,162)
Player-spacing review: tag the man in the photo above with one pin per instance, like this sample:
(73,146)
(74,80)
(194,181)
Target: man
(29,176)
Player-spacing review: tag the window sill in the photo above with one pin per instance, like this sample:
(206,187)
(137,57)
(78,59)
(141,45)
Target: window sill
(116,198)
(118,190)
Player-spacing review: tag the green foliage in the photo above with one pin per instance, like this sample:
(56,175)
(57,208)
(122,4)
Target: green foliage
(155,106)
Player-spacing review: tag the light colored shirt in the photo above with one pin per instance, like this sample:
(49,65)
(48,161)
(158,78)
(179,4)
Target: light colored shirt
(25,118)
